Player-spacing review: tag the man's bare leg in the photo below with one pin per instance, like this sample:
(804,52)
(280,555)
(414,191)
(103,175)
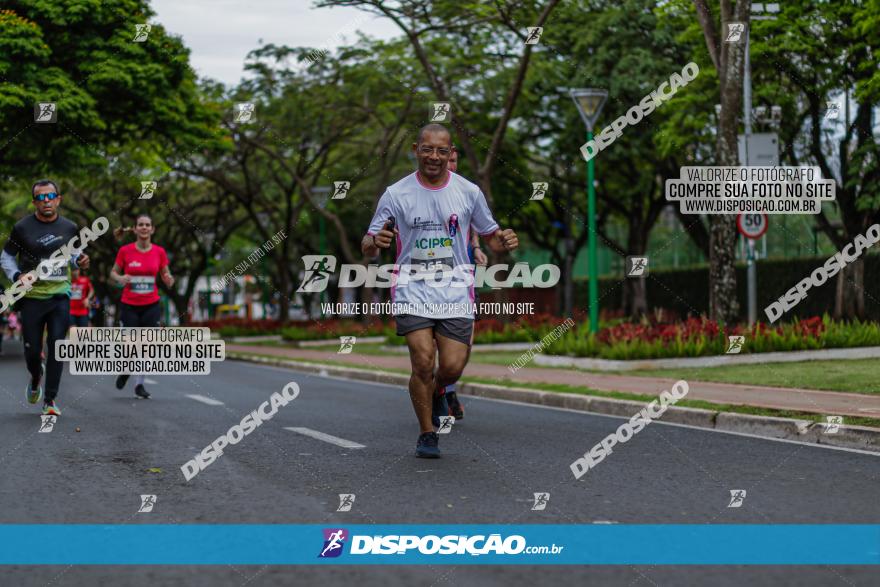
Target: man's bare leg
(453,356)
(421,382)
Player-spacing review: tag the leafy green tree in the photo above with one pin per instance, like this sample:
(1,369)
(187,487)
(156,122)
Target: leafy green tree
(815,54)
(108,89)
(327,119)
(459,45)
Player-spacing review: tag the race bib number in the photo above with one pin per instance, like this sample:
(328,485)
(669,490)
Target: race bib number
(142,284)
(52,270)
(76,292)
(431,255)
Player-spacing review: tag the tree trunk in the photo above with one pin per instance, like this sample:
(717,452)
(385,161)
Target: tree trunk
(723,305)
(181,301)
(729,61)
(850,299)
(635,295)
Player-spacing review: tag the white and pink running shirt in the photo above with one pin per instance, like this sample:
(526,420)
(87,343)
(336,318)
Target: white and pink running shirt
(432,240)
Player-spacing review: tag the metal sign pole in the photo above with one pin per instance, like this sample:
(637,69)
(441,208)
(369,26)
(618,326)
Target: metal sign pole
(752,277)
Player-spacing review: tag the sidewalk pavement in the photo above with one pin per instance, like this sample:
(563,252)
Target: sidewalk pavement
(798,400)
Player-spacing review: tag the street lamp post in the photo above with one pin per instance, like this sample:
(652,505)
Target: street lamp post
(589,102)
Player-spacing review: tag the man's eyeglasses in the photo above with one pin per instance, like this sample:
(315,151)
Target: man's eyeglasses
(43,197)
(442,151)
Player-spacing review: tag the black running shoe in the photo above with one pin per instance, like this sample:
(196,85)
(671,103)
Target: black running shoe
(438,409)
(455,407)
(121,381)
(428,446)
(140,391)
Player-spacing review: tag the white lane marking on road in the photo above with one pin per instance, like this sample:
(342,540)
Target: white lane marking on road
(204,400)
(151,382)
(325,437)
(527,405)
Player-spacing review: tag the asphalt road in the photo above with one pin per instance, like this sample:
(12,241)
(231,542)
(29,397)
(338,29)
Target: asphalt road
(493,462)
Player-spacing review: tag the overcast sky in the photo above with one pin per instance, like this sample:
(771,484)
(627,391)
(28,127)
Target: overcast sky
(220,33)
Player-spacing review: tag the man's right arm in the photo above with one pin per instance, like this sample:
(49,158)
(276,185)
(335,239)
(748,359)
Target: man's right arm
(368,248)
(378,236)
(8,258)
(372,244)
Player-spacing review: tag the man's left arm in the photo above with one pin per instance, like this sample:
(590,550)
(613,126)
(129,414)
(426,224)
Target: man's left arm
(77,257)
(498,239)
(502,240)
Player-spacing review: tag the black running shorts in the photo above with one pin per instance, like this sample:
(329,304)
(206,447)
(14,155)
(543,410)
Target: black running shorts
(459,329)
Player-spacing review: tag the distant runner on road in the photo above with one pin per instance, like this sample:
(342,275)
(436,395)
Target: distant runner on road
(432,211)
(45,308)
(136,267)
(81,295)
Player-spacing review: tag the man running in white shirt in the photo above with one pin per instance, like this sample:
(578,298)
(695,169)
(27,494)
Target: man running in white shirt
(430,212)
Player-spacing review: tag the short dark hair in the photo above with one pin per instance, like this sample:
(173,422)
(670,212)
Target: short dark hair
(434,127)
(41,183)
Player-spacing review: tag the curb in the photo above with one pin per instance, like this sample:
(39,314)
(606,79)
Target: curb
(859,437)
(709,361)
(402,349)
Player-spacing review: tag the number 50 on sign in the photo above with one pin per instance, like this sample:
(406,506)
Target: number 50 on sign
(752,225)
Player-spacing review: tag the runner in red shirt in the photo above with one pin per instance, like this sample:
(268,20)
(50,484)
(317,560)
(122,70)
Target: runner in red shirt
(137,265)
(81,294)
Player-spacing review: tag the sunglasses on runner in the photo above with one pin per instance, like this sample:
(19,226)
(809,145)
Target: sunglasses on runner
(42,197)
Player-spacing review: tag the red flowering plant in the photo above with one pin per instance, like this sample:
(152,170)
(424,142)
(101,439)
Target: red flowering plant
(653,338)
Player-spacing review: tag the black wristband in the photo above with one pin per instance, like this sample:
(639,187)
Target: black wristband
(16,276)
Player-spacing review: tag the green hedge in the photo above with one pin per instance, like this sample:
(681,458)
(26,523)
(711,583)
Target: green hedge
(686,291)
(699,338)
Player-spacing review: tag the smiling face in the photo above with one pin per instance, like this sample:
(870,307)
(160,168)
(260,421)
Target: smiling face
(144,228)
(432,152)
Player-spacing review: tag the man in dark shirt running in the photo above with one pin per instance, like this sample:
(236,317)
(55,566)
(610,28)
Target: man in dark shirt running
(46,305)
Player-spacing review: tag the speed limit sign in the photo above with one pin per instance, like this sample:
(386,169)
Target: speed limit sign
(752,225)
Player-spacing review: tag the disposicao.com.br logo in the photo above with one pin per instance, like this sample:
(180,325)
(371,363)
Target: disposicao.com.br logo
(320,268)
(451,544)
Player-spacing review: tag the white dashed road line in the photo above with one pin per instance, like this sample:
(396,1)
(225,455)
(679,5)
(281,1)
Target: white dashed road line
(204,400)
(326,437)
